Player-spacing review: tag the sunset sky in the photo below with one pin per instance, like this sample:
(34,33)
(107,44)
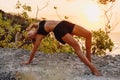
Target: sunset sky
(83,12)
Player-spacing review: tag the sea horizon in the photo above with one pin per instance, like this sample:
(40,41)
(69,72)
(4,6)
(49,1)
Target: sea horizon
(115,37)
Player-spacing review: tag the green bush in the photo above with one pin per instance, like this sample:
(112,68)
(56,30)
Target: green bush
(51,45)
(10,27)
(101,42)
(7,32)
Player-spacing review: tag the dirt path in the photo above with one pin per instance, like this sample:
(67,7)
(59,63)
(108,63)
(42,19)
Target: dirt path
(60,66)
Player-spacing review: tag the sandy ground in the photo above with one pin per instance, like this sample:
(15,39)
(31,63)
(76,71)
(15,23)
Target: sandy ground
(62,66)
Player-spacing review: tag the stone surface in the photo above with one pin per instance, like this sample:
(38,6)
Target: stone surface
(61,66)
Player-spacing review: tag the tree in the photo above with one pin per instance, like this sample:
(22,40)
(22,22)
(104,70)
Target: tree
(108,14)
(101,40)
(105,1)
(38,9)
(25,8)
(56,9)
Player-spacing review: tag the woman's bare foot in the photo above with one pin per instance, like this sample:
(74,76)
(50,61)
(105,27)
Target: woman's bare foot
(96,72)
(25,62)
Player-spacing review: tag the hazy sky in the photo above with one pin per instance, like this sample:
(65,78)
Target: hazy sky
(83,12)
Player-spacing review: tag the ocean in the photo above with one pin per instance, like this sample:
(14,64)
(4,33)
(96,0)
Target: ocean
(115,37)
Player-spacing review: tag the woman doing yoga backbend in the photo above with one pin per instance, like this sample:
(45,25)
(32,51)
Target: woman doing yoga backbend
(63,31)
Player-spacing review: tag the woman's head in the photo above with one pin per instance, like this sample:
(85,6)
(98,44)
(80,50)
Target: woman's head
(31,33)
(32,30)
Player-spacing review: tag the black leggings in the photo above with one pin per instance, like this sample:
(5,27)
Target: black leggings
(63,28)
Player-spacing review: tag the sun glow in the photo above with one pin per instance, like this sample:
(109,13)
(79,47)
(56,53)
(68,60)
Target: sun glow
(92,13)
(82,12)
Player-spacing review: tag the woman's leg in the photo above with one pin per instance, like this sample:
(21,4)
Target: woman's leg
(72,42)
(80,31)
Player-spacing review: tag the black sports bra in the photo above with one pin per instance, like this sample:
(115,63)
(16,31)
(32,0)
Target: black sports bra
(41,29)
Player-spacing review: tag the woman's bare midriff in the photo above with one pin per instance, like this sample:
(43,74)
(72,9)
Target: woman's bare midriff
(50,25)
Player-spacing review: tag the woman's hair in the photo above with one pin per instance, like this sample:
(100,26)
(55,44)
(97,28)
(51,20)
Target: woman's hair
(31,26)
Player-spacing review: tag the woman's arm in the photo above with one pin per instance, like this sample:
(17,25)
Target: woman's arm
(35,47)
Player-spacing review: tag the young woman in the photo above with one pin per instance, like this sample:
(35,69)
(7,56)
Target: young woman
(63,31)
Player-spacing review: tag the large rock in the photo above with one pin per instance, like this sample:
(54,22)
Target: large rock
(61,66)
